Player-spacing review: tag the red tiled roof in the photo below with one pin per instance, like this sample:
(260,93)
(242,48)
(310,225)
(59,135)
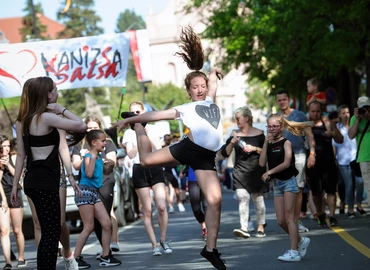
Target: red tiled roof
(11,26)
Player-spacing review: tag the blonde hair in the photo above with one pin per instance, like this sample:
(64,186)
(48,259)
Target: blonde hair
(296,128)
(245,111)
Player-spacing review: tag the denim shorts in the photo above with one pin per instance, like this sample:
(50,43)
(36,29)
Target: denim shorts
(90,196)
(282,186)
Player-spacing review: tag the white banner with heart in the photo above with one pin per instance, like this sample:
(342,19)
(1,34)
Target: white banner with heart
(71,63)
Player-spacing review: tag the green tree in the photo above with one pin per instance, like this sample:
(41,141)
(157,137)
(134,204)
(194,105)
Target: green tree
(80,20)
(128,20)
(286,42)
(28,30)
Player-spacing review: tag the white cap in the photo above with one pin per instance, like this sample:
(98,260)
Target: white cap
(363,101)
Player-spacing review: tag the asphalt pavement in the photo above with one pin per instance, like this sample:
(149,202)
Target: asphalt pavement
(344,247)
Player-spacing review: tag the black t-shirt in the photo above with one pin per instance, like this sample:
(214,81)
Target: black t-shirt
(7,180)
(275,156)
(110,147)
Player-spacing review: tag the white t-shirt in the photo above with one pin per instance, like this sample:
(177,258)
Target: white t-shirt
(346,151)
(130,136)
(203,119)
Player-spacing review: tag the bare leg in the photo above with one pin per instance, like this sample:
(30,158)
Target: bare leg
(331,200)
(146,201)
(16,215)
(210,186)
(64,234)
(5,231)
(36,223)
(114,227)
(160,201)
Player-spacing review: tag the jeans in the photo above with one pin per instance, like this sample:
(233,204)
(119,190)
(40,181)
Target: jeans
(346,172)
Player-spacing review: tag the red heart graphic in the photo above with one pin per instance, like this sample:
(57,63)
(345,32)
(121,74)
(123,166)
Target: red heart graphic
(4,73)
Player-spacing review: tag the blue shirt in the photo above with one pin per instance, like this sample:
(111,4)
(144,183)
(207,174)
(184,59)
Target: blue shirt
(298,142)
(96,180)
(191,175)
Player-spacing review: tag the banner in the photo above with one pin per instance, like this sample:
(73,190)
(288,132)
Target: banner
(72,63)
(139,44)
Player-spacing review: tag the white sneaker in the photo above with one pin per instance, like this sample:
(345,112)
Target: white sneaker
(114,247)
(290,256)
(250,226)
(157,251)
(181,207)
(71,264)
(301,228)
(171,210)
(241,233)
(303,245)
(166,247)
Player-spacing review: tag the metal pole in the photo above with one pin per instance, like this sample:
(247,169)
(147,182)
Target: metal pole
(34,19)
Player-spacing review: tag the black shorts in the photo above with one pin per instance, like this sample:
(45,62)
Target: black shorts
(10,205)
(144,177)
(322,177)
(188,153)
(171,179)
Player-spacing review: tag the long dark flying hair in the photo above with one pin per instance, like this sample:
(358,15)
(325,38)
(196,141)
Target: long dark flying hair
(192,53)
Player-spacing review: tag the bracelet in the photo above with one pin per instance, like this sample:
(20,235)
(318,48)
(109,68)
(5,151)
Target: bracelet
(64,111)
(313,154)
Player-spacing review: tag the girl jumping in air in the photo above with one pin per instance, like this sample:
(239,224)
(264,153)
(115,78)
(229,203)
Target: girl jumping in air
(198,149)
(277,152)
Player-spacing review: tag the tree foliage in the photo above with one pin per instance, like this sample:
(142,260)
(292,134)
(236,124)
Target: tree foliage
(286,42)
(28,30)
(128,20)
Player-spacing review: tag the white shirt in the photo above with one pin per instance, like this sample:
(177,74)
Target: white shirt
(346,151)
(130,137)
(204,121)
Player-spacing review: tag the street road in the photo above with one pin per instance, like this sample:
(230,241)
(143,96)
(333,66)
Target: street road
(344,247)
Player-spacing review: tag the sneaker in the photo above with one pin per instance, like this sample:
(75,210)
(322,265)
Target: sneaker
(301,227)
(125,115)
(241,233)
(321,220)
(361,212)
(114,247)
(157,251)
(290,256)
(250,226)
(204,234)
(303,245)
(166,247)
(21,264)
(171,210)
(70,264)
(214,258)
(81,263)
(351,215)
(333,221)
(7,266)
(109,260)
(260,234)
(181,207)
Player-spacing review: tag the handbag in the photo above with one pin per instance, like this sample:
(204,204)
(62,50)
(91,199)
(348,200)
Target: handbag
(355,166)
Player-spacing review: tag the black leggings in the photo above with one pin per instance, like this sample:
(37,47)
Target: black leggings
(47,205)
(106,196)
(197,201)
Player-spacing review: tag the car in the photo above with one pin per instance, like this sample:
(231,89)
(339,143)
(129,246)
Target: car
(123,204)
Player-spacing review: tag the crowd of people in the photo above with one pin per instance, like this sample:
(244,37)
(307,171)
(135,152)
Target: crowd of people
(302,157)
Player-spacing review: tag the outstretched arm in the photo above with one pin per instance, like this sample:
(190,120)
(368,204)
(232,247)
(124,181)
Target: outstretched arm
(169,114)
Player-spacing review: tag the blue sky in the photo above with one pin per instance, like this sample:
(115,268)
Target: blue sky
(108,10)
